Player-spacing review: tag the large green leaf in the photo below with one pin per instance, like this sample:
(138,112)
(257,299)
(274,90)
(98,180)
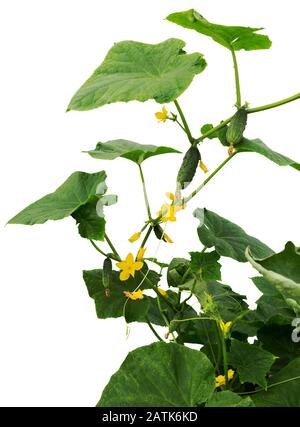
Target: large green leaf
(229,239)
(80,196)
(177,273)
(251,362)
(139,71)
(284,394)
(257,146)
(128,150)
(160,375)
(113,305)
(228,399)
(274,310)
(233,38)
(75,192)
(282,270)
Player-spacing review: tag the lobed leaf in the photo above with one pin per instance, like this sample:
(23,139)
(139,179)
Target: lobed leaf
(138,71)
(229,239)
(160,375)
(128,150)
(282,271)
(231,37)
(228,399)
(251,362)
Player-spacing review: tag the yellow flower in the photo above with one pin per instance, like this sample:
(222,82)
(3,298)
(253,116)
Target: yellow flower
(167,212)
(162,292)
(171,196)
(134,237)
(162,116)
(225,327)
(129,267)
(220,379)
(203,166)
(134,295)
(167,238)
(140,254)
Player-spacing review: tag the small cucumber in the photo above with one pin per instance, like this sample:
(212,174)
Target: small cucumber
(188,167)
(106,275)
(237,127)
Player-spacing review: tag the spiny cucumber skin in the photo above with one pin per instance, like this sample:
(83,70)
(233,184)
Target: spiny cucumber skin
(188,167)
(237,127)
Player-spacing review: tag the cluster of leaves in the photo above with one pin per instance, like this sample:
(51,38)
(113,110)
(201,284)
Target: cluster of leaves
(265,371)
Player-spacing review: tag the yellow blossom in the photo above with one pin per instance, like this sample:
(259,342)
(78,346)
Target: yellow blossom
(162,116)
(140,254)
(134,237)
(167,238)
(220,379)
(129,267)
(162,292)
(168,213)
(225,327)
(203,166)
(134,295)
(171,196)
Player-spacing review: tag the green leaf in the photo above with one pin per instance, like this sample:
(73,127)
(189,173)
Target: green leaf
(206,128)
(90,224)
(282,270)
(231,37)
(228,399)
(160,375)
(274,310)
(278,340)
(228,303)
(257,146)
(128,150)
(251,362)
(139,71)
(154,314)
(286,394)
(177,270)
(228,238)
(113,306)
(265,287)
(206,264)
(75,192)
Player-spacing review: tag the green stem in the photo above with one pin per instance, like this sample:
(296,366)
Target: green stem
(99,250)
(185,124)
(269,386)
(147,235)
(215,129)
(112,247)
(237,80)
(153,330)
(224,354)
(198,189)
(145,193)
(274,104)
(165,318)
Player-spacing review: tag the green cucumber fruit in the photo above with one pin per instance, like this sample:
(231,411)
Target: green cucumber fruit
(188,167)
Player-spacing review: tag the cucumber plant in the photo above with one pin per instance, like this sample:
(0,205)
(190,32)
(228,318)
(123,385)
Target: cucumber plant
(228,369)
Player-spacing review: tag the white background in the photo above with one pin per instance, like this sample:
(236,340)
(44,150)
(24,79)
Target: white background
(54,351)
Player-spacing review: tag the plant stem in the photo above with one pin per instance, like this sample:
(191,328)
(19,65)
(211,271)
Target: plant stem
(224,354)
(99,250)
(215,129)
(153,330)
(147,235)
(185,124)
(112,247)
(165,318)
(274,104)
(145,193)
(237,80)
(193,194)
